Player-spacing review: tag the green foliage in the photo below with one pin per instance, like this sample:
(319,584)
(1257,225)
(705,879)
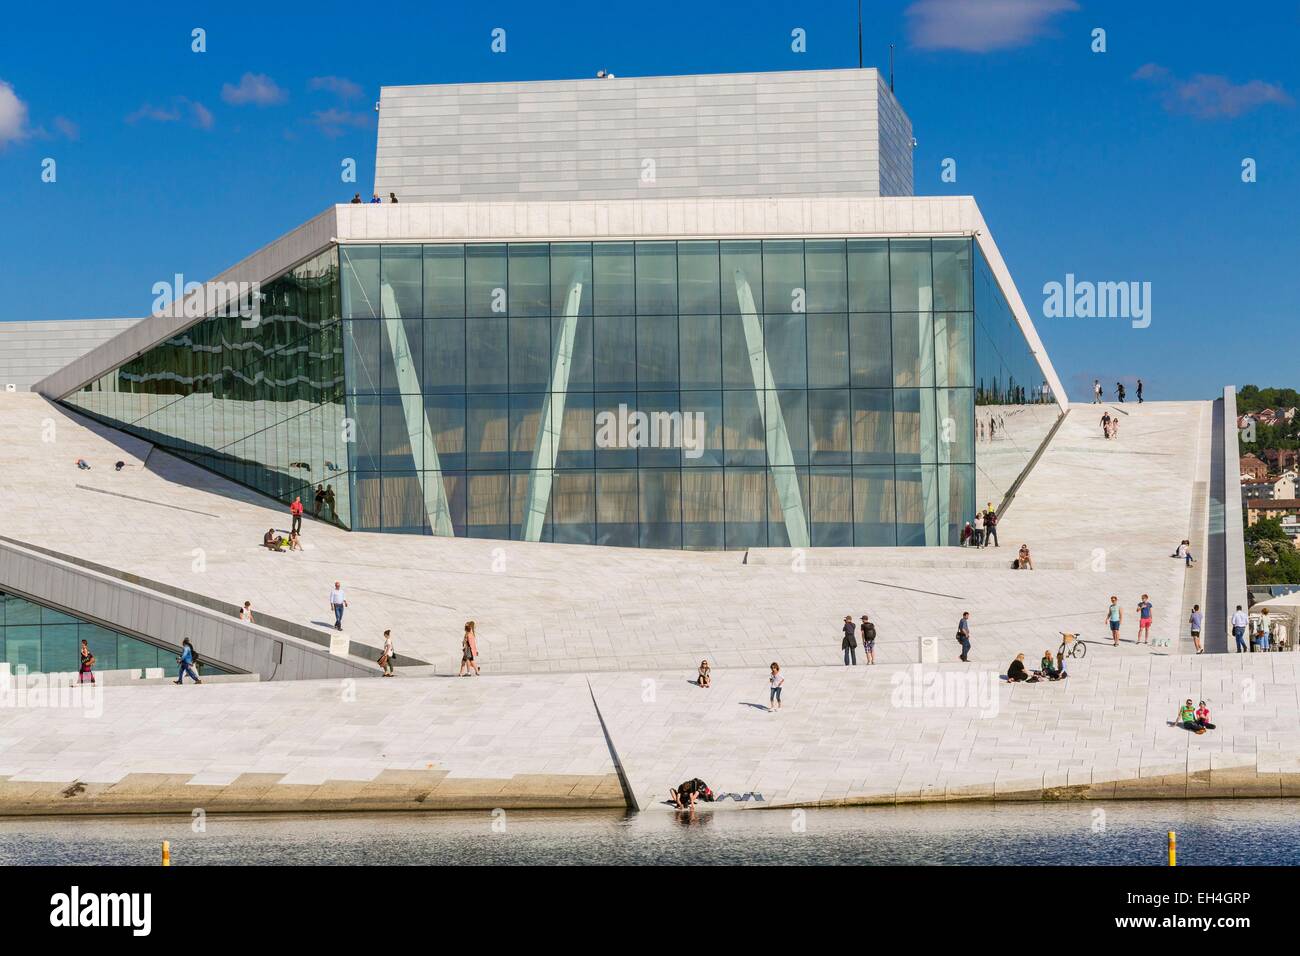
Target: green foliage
(1270,557)
(1266,529)
(1251,398)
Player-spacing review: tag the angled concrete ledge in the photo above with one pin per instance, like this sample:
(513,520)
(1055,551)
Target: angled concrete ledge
(221,639)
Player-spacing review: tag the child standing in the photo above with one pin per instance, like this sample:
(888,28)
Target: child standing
(775,681)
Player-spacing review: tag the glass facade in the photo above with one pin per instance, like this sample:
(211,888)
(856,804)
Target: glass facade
(664,394)
(1015,409)
(44,640)
(259,400)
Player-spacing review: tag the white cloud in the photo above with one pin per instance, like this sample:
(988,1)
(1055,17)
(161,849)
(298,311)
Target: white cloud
(1211,96)
(341,86)
(13,116)
(66,128)
(978,27)
(334,122)
(256,88)
(179,109)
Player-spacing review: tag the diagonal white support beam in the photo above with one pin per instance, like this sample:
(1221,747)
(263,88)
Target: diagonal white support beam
(428,469)
(541,472)
(780,456)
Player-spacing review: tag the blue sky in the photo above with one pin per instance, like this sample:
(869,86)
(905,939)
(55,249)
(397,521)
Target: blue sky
(1116,166)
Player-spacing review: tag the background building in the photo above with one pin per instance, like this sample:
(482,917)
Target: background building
(699,372)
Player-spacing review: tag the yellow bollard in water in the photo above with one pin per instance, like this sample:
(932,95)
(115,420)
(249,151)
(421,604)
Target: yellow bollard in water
(167,852)
(1173,848)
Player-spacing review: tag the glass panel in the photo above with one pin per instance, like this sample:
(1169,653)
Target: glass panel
(701,351)
(913,350)
(831,493)
(873,506)
(530,279)
(745,501)
(485,279)
(614,278)
(573,507)
(661,508)
(697,281)
(444,282)
(360,266)
(910,281)
(830,427)
(827,266)
(656,278)
(401,294)
(828,351)
(783,281)
(952,275)
(617,508)
(868,275)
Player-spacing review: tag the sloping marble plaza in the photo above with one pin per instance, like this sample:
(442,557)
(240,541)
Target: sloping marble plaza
(589,653)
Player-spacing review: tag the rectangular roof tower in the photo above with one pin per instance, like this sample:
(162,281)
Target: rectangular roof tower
(813,133)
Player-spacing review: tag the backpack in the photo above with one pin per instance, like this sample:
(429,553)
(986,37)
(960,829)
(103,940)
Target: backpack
(868,631)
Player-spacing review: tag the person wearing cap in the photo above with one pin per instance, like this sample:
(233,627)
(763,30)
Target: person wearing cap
(850,642)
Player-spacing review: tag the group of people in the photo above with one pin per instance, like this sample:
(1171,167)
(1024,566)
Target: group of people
(187,661)
(981,530)
(1184,552)
(849,644)
(1146,617)
(1195,719)
(276,541)
(374,198)
(1109,425)
(1050,667)
(1098,398)
(775,681)
(1262,637)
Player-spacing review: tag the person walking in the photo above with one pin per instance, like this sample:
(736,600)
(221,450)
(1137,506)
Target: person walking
(246,612)
(1240,621)
(1105,424)
(991,526)
(1096,391)
(868,640)
(386,658)
(1114,618)
(87,662)
(963,636)
(1119,392)
(186,662)
(1139,390)
(1196,620)
(774,683)
(1265,629)
(850,643)
(338,601)
(469,651)
(1144,620)
(295,511)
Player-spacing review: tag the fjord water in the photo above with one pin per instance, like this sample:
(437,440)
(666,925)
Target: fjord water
(1210,832)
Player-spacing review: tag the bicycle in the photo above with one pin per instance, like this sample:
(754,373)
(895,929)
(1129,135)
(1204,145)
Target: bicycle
(1072,646)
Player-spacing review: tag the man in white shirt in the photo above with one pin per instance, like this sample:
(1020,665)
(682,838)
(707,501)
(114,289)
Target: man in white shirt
(1239,624)
(338,602)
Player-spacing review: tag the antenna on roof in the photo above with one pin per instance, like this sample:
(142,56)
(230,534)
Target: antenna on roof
(859,34)
(891,67)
